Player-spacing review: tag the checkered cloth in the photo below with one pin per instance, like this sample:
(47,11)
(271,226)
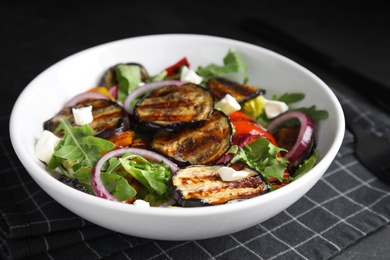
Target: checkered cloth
(347,204)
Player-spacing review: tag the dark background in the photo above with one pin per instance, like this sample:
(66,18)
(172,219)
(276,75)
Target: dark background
(36,35)
(33,36)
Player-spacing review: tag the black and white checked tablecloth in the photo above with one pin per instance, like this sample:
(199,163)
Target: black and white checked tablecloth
(347,204)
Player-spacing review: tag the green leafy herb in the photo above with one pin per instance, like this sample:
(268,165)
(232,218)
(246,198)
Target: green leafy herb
(129,77)
(158,77)
(154,176)
(290,98)
(307,165)
(262,156)
(233,63)
(314,113)
(118,186)
(78,149)
(77,152)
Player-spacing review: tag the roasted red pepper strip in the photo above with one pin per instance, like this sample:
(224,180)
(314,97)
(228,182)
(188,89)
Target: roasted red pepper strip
(237,116)
(244,125)
(175,68)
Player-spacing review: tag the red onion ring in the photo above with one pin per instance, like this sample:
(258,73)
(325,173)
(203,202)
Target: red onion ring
(85,96)
(113,91)
(305,132)
(96,181)
(146,88)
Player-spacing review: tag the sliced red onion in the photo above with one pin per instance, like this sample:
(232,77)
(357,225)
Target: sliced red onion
(96,181)
(85,96)
(224,159)
(146,88)
(305,132)
(243,139)
(113,91)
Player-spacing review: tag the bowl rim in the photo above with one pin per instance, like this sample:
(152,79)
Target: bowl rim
(34,170)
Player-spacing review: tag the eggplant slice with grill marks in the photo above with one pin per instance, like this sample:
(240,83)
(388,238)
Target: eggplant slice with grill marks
(109,118)
(201,185)
(175,106)
(241,92)
(202,144)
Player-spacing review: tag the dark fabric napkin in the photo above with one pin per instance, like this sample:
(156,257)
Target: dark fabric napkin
(347,204)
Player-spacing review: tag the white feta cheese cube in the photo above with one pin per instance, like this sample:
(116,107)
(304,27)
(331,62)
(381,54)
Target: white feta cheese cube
(141,203)
(228,104)
(190,76)
(82,115)
(44,148)
(229,174)
(273,108)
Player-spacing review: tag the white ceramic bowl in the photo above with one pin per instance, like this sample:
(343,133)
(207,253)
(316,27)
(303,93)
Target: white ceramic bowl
(45,95)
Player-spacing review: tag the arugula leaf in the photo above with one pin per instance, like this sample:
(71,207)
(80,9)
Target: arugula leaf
(78,148)
(154,176)
(233,63)
(115,181)
(118,186)
(307,165)
(290,98)
(314,113)
(129,77)
(84,177)
(262,155)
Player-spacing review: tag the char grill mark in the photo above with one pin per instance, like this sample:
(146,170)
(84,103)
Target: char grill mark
(202,186)
(109,118)
(203,144)
(174,106)
(105,116)
(241,92)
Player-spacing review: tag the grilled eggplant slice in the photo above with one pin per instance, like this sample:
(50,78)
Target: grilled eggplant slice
(200,185)
(109,79)
(241,92)
(203,144)
(175,106)
(109,118)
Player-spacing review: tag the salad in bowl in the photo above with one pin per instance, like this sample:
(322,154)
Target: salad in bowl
(184,137)
(176,136)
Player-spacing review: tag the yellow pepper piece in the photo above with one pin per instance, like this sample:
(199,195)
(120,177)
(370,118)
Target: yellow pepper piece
(102,90)
(254,107)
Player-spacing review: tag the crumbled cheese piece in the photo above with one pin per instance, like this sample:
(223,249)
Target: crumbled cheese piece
(229,174)
(82,115)
(228,105)
(190,76)
(44,148)
(141,203)
(273,108)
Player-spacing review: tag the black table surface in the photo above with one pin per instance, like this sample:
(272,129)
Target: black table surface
(34,36)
